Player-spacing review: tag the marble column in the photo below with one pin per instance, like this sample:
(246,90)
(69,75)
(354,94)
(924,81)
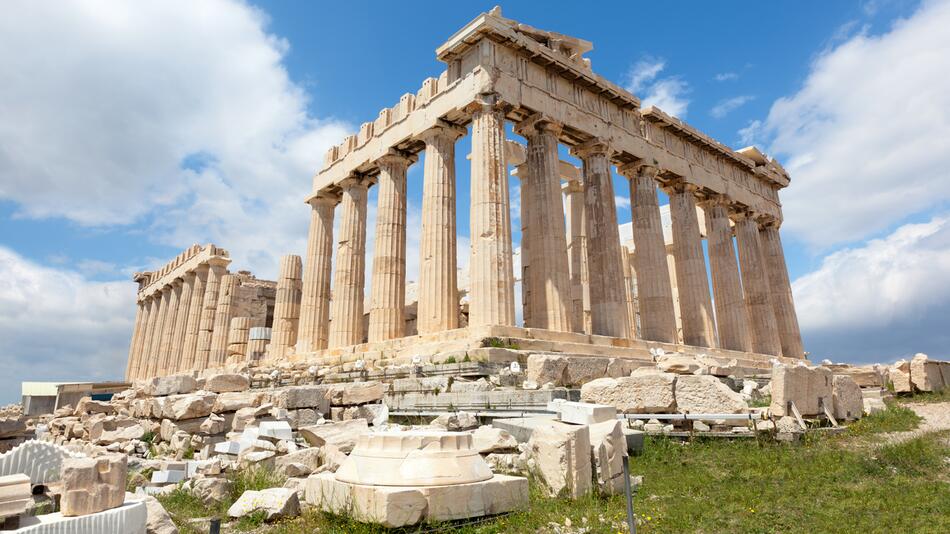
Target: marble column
(208,308)
(780,290)
(181,323)
(755,283)
(525,197)
(608,306)
(346,325)
(222,320)
(160,325)
(286,307)
(387,309)
(237,338)
(577,254)
(732,317)
(168,330)
(141,369)
(438,278)
(629,285)
(193,323)
(315,301)
(549,286)
(492,277)
(654,288)
(691,278)
(137,332)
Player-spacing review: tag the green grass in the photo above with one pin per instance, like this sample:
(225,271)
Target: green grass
(896,418)
(927,397)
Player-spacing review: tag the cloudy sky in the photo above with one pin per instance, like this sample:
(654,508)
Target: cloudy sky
(131,130)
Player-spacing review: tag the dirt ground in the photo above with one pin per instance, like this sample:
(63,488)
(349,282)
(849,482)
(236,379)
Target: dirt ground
(936,417)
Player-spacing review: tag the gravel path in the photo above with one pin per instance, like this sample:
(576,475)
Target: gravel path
(936,418)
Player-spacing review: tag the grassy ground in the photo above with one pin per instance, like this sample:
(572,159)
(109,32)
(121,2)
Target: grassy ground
(854,482)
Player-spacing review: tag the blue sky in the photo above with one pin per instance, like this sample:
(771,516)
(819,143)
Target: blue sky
(134,130)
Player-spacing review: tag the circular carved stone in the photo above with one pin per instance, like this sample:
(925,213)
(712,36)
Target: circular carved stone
(414,459)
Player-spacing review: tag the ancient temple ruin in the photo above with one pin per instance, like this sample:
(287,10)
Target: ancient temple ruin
(583,291)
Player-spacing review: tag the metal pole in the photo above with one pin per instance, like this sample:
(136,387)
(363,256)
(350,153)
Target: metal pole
(215,527)
(631,520)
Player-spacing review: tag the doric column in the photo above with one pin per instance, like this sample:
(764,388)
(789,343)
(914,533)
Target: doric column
(387,308)
(237,338)
(577,254)
(154,355)
(691,278)
(222,320)
(550,280)
(608,306)
(208,308)
(732,317)
(629,286)
(315,300)
(195,308)
(181,323)
(438,280)
(780,290)
(168,330)
(525,197)
(141,367)
(346,325)
(137,329)
(492,299)
(654,290)
(286,307)
(755,283)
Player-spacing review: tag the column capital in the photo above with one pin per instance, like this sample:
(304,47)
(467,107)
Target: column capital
(738,212)
(396,158)
(638,168)
(324,197)
(218,262)
(487,103)
(678,184)
(572,186)
(592,147)
(713,200)
(443,129)
(356,181)
(767,221)
(537,122)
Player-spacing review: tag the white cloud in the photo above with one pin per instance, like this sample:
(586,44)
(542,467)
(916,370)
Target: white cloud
(58,325)
(726,76)
(174,113)
(865,139)
(728,105)
(667,93)
(886,299)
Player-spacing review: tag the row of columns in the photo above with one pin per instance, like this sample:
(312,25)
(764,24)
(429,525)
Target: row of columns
(567,268)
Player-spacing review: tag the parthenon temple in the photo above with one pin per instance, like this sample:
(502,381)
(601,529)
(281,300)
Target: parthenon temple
(584,290)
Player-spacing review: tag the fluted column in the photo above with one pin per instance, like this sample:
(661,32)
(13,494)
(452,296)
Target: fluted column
(193,323)
(691,278)
(387,311)
(141,368)
(315,301)
(181,323)
(222,320)
(438,279)
(490,269)
(168,330)
(755,283)
(161,323)
(147,319)
(346,325)
(577,254)
(525,197)
(136,335)
(654,289)
(780,290)
(732,317)
(607,302)
(237,338)
(629,289)
(208,308)
(550,280)
(286,307)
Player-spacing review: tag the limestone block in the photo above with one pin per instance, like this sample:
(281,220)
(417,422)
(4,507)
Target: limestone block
(489,439)
(608,449)
(167,477)
(213,424)
(234,401)
(120,434)
(168,427)
(583,413)
(308,457)
(455,422)
(353,393)
(649,393)
(872,406)
(679,364)
(521,428)
(228,447)
(12,427)
(92,485)
(212,490)
(342,435)
(807,386)
(545,368)
(316,397)
(618,367)
(500,494)
(157,519)
(562,455)
(276,430)
(706,394)
(161,386)
(15,495)
(188,406)
(463,386)
(925,373)
(583,369)
(227,382)
(88,406)
(899,375)
(391,507)
(275,502)
(847,398)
